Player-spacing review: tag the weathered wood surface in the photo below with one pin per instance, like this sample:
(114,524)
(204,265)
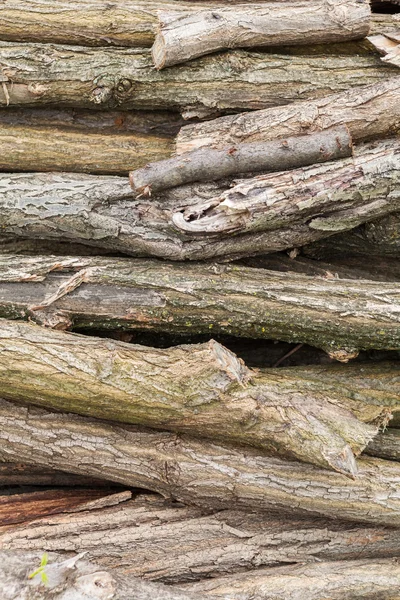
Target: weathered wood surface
(43,74)
(203,221)
(369,111)
(208,164)
(386,445)
(221,400)
(198,472)
(388,45)
(162,541)
(182,37)
(333,580)
(138,294)
(17,474)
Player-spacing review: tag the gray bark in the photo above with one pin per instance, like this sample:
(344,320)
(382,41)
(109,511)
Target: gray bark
(369,111)
(386,445)
(208,164)
(198,472)
(182,37)
(206,220)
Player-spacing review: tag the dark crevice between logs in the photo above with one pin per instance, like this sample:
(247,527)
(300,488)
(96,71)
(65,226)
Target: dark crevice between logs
(387,8)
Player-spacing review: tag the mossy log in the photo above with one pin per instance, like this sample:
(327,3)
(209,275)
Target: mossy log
(221,400)
(163,541)
(198,472)
(43,74)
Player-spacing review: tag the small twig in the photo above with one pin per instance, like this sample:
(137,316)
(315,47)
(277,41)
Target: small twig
(292,351)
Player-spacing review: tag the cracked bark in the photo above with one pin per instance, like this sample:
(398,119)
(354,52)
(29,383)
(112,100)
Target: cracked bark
(162,541)
(339,316)
(202,221)
(272,410)
(386,445)
(198,472)
(40,74)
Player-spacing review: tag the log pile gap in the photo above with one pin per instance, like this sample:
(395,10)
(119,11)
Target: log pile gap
(199,299)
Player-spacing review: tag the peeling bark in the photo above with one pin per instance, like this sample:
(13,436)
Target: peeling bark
(389,46)
(198,472)
(386,445)
(40,74)
(369,111)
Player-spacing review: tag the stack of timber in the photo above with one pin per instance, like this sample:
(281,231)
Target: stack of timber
(199,299)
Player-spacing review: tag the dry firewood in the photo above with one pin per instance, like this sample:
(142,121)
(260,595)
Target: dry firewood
(386,445)
(318,581)
(198,472)
(17,474)
(208,164)
(182,37)
(74,579)
(109,77)
(202,221)
(369,111)
(221,400)
(388,45)
(163,541)
(339,316)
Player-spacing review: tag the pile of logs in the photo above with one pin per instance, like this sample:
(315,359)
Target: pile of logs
(199,300)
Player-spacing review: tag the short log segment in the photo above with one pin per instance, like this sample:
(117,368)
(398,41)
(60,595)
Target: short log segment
(221,400)
(162,541)
(369,111)
(119,77)
(198,472)
(208,164)
(182,37)
(103,293)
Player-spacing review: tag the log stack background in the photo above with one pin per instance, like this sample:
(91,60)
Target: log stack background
(199,363)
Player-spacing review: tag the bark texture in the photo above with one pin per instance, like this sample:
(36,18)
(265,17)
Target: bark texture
(190,299)
(198,472)
(221,400)
(200,221)
(166,542)
(182,37)
(386,445)
(208,164)
(40,74)
(389,46)
(369,111)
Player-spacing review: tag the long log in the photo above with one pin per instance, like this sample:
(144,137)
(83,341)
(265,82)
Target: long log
(198,472)
(182,37)
(221,400)
(208,164)
(109,293)
(386,445)
(333,580)
(119,77)
(369,111)
(162,541)
(204,221)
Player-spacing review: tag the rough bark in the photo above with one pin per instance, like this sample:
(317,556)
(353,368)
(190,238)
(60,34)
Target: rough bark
(221,400)
(208,164)
(386,445)
(182,37)
(198,472)
(369,111)
(162,541)
(17,474)
(40,74)
(202,221)
(74,579)
(334,580)
(191,299)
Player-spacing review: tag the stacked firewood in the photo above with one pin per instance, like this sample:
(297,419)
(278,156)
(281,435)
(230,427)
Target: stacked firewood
(199,300)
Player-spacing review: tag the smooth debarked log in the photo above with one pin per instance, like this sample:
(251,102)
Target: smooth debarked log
(221,400)
(182,37)
(208,164)
(163,541)
(386,445)
(369,111)
(42,74)
(131,294)
(264,214)
(198,472)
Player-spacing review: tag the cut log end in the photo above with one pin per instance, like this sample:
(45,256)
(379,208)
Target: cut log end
(158,52)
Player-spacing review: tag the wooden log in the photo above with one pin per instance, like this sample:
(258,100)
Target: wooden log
(369,111)
(118,381)
(333,580)
(386,445)
(388,46)
(18,475)
(182,37)
(118,77)
(198,472)
(163,541)
(208,164)
(203,221)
